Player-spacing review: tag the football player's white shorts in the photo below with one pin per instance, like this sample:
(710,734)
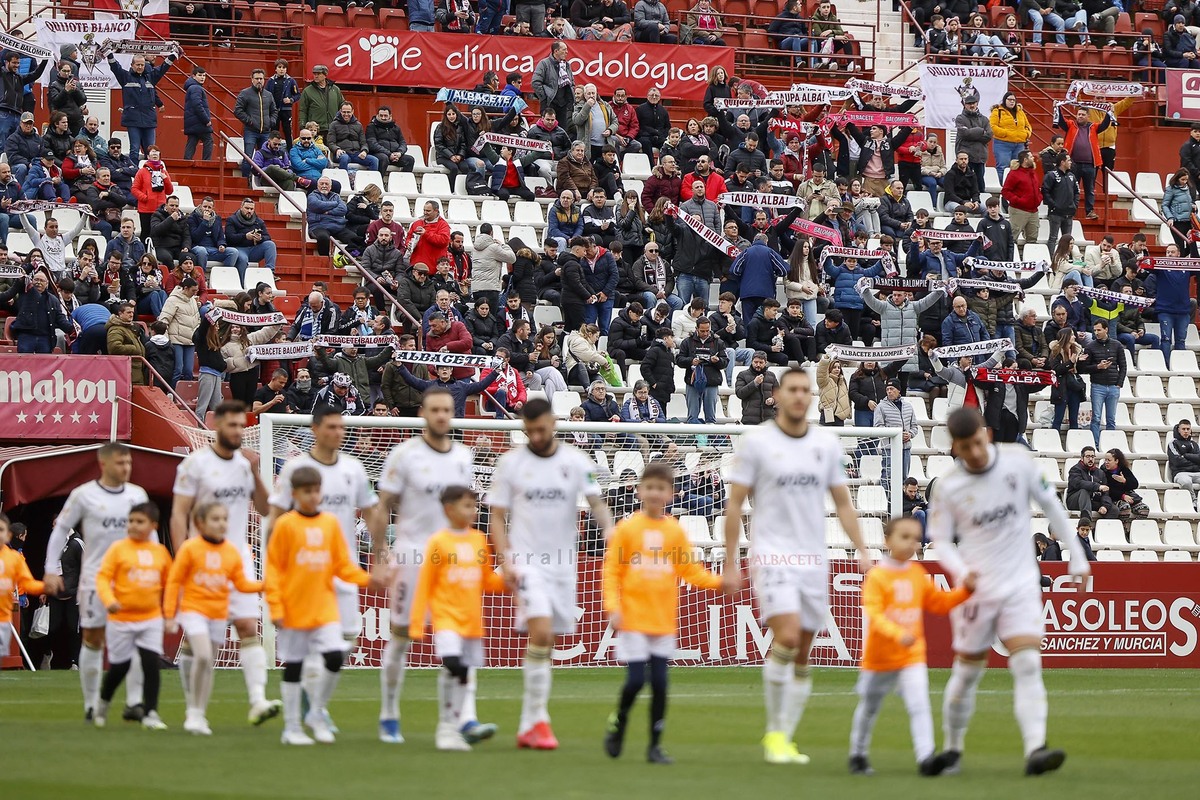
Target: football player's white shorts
(977,623)
(780,590)
(245,606)
(292,644)
(194,625)
(92,613)
(547,595)
(633,646)
(125,638)
(403,588)
(452,643)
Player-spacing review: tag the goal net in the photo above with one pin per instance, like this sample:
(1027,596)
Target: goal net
(714,629)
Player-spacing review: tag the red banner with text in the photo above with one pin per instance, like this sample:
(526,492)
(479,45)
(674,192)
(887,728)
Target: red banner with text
(1183,94)
(458,61)
(64,397)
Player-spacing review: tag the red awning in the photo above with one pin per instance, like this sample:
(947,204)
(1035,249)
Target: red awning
(39,472)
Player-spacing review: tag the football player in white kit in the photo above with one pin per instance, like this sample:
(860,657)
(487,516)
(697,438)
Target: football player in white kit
(535,531)
(221,473)
(345,490)
(414,476)
(99,511)
(979,522)
(789,465)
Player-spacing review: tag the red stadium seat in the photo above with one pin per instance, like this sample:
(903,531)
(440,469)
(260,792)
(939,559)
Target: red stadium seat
(737,9)
(996,15)
(1088,58)
(360,18)
(331,17)
(1117,57)
(1124,25)
(1143,21)
(300,15)
(393,19)
(1059,58)
(271,19)
(756,40)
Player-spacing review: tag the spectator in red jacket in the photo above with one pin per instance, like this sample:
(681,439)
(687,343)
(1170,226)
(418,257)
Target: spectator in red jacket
(447,336)
(908,160)
(627,122)
(429,237)
(1023,192)
(665,181)
(714,184)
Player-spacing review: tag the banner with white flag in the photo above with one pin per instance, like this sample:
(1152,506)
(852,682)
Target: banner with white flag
(87,35)
(944,85)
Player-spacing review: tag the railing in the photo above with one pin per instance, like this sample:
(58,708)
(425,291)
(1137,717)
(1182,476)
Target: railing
(1112,176)
(162,383)
(267,179)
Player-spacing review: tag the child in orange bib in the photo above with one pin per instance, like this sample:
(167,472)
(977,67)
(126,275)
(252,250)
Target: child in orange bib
(895,595)
(14,577)
(456,573)
(646,558)
(197,601)
(130,585)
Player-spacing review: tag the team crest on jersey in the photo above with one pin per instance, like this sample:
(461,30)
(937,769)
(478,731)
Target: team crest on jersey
(145,558)
(212,562)
(314,537)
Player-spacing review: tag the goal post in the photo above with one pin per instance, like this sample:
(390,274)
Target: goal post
(714,629)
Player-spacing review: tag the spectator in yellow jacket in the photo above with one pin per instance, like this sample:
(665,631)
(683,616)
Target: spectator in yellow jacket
(1011,132)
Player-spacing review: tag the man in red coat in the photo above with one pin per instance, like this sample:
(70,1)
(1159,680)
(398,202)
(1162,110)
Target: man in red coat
(447,336)
(429,237)
(714,184)
(1023,192)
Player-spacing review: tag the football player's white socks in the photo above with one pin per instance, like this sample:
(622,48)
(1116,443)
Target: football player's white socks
(959,702)
(873,687)
(291,705)
(795,698)
(914,691)
(202,675)
(468,704)
(1029,697)
(135,682)
(777,674)
(451,694)
(310,677)
(536,667)
(253,659)
(91,669)
(186,665)
(391,677)
(327,681)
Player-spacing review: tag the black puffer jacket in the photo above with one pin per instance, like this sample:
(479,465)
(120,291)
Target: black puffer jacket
(626,335)
(867,387)
(1183,455)
(658,369)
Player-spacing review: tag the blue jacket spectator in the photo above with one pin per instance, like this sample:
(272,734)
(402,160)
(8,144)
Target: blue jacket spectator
(207,233)
(139,97)
(962,326)
(843,279)
(1078,316)
(197,118)
(563,224)
(326,211)
(122,167)
(757,268)
(940,262)
(633,410)
(308,160)
(130,250)
(460,389)
(602,275)
(24,147)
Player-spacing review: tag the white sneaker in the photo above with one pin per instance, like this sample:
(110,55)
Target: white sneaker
(320,729)
(196,725)
(449,738)
(100,715)
(261,712)
(152,722)
(296,738)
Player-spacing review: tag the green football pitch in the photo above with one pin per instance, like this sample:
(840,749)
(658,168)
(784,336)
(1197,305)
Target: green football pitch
(1130,733)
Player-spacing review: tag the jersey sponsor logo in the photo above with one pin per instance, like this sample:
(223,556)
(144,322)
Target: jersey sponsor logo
(210,581)
(229,494)
(993,516)
(331,501)
(797,480)
(540,495)
(113,523)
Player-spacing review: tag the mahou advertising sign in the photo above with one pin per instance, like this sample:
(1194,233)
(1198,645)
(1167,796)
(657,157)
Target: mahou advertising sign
(64,397)
(458,61)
